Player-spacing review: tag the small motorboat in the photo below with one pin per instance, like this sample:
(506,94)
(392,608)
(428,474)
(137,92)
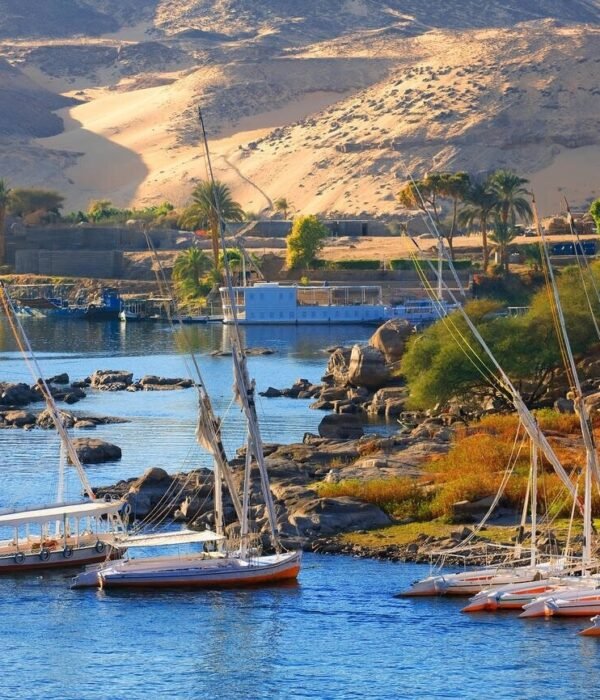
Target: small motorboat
(594,630)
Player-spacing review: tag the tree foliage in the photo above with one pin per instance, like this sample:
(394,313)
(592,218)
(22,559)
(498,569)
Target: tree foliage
(428,195)
(190,274)
(305,240)
(23,201)
(211,200)
(282,206)
(437,366)
(595,213)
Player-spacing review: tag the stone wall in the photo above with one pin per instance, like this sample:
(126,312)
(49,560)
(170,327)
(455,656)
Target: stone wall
(91,238)
(70,263)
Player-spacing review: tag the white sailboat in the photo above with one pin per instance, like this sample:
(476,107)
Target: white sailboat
(566,594)
(230,562)
(60,534)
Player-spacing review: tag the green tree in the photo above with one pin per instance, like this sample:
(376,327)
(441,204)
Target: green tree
(428,195)
(23,201)
(503,235)
(511,195)
(235,259)
(102,209)
(4,200)
(211,201)
(446,361)
(479,204)
(595,213)
(454,186)
(305,240)
(189,273)
(282,206)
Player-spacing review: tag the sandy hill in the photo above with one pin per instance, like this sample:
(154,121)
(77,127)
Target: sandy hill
(327,102)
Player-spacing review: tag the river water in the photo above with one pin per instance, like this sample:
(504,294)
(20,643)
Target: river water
(338,633)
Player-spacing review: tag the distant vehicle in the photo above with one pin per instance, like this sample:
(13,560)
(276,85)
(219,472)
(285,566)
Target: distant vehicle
(587,248)
(426,236)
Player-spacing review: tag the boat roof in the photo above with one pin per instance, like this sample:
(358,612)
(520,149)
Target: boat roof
(161,539)
(55,512)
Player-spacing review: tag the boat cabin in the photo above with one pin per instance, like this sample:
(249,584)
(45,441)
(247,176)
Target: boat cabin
(274,303)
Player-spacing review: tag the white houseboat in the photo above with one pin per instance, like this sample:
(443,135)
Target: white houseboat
(271,302)
(274,303)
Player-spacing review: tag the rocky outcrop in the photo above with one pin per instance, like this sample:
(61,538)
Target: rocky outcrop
(94,451)
(391,339)
(341,427)
(111,379)
(121,380)
(151,382)
(368,368)
(17,394)
(327,516)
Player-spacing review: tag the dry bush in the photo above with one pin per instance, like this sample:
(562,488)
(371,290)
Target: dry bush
(401,497)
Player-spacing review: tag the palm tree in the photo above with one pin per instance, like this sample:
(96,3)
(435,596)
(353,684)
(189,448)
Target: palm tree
(510,193)
(4,196)
(454,186)
(425,194)
(211,203)
(502,235)
(189,268)
(480,201)
(282,206)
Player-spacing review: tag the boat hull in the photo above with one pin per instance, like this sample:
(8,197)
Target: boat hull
(225,573)
(468,583)
(56,559)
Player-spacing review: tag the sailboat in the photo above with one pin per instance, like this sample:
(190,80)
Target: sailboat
(223,561)
(516,573)
(567,594)
(59,534)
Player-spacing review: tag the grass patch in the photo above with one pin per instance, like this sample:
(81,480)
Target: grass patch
(401,497)
(473,469)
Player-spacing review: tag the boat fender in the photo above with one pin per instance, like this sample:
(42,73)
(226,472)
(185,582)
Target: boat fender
(45,554)
(100,546)
(68,552)
(107,497)
(19,558)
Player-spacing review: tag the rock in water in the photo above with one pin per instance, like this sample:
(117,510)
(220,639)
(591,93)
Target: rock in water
(105,378)
(391,338)
(368,368)
(94,451)
(19,418)
(17,394)
(341,426)
(58,379)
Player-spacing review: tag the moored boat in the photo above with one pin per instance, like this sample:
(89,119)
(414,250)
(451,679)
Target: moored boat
(86,533)
(578,601)
(594,630)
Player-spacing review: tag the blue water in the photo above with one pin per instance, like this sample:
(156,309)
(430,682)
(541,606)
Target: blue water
(338,633)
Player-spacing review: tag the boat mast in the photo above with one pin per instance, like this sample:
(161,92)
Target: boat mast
(534,477)
(244,386)
(36,373)
(208,427)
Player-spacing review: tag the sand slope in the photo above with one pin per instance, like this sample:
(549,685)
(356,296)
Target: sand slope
(329,105)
